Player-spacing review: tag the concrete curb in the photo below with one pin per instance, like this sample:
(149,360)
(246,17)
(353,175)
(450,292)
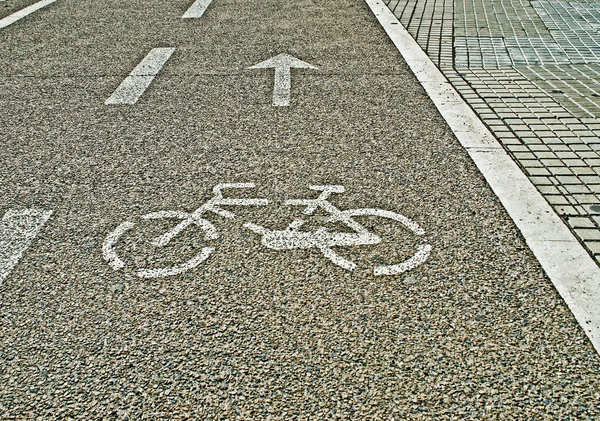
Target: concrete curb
(570,268)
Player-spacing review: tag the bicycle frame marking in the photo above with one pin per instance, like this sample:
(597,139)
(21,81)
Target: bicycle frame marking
(287,239)
(323,240)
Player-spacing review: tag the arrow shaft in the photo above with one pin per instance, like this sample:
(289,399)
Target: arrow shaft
(282,87)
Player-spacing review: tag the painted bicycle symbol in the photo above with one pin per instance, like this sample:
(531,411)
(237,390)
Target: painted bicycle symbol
(292,237)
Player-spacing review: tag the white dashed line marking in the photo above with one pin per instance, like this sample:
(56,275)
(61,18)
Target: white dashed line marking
(197,9)
(9,20)
(134,85)
(18,228)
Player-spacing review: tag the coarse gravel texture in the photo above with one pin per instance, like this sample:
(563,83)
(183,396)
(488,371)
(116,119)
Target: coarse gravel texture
(477,332)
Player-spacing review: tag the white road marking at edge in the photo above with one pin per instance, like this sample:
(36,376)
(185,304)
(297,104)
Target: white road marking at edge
(134,85)
(10,19)
(570,268)
(197,9)
(282,64)
(18,228)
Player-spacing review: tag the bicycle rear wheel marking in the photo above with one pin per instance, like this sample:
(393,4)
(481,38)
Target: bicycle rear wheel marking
(176,270)
(108,247)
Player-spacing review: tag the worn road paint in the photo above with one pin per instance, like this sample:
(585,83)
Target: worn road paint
(418,259)
(290,238)
(176,270)
(10,19)
(134,85)
(197,9)
(213,205)
(18,228)
(282,64)
(568,265)
(108,247)
(323,239)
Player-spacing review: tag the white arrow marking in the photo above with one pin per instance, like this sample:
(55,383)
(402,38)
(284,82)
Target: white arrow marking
(282,64)
(134,85)
(18,228)
(24,12)
(197,9)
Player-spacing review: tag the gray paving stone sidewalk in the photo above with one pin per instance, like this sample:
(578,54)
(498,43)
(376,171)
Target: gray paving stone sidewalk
(531,71)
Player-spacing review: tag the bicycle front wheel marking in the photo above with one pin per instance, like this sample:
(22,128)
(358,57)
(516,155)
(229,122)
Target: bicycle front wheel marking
(418,259)
(109,252)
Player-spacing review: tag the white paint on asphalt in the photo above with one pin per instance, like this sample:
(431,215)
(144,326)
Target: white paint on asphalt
(18,228)
(209,229)
(282,64)
(9,20)
(109,251)
(108,247)
(323,239)
(570,268)
(134,85)
(418,259)
(197,9)
(188,219)
(176,270)
(287,239)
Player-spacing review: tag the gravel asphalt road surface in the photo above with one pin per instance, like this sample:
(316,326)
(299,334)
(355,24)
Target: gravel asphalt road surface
(259,330)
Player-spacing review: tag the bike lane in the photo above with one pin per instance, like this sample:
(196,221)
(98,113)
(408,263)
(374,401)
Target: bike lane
(477,331)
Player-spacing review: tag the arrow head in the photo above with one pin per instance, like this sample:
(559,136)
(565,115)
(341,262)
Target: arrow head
(283,61)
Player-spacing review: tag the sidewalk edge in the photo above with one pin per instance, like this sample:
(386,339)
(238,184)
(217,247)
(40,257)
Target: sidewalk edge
(570,268)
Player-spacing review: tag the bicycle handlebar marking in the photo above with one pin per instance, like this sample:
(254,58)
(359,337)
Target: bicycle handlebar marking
(287,239)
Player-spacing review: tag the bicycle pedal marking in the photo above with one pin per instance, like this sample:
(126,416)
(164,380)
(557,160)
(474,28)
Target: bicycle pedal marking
(289,238)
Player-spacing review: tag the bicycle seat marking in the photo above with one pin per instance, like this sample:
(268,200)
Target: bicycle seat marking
(290,238)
